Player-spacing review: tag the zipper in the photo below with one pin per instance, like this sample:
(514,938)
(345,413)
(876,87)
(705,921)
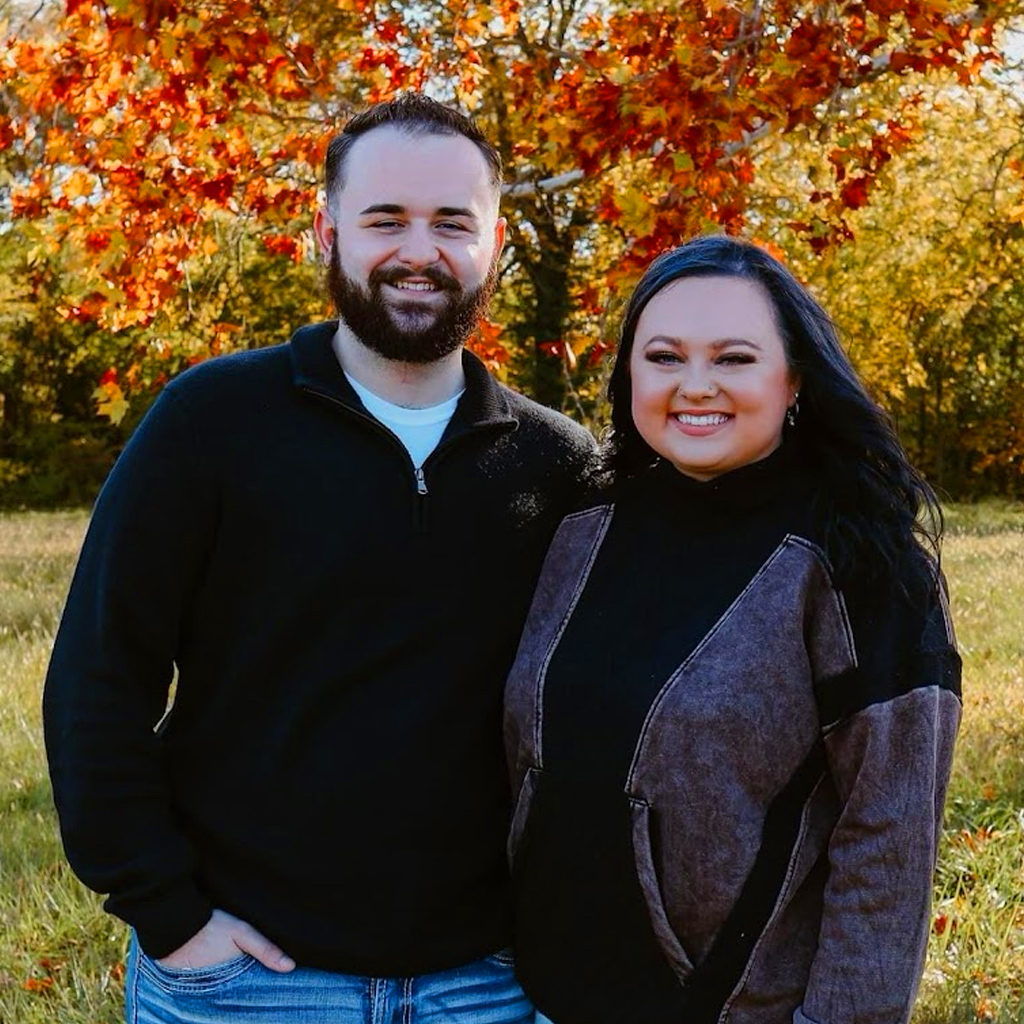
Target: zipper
(420,522)
(419,510)
(419,518)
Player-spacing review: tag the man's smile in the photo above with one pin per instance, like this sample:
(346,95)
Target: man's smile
(416,286)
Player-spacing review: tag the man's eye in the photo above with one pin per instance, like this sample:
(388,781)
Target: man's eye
(451,226)
(386,224)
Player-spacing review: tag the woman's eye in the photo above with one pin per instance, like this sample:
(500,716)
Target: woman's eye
(663,358)
(735,359)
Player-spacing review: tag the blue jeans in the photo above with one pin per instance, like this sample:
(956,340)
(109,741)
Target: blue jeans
(242,990)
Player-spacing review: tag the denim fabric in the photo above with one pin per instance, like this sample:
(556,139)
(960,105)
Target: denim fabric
(242,989)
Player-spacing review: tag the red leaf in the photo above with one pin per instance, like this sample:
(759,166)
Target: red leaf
(218,189)
(283,245)
(855,193)
(97,241)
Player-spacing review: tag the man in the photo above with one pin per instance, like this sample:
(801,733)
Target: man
(333,542)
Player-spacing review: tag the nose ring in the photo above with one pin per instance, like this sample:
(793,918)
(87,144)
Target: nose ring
(710,388)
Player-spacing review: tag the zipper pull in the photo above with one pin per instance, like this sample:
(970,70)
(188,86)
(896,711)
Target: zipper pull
(421,483)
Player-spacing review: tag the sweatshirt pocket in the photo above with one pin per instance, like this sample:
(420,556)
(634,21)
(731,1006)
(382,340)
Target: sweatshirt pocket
(522,811)
(648,877)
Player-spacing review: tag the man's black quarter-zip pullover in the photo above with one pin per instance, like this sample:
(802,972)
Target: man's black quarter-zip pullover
(331,770)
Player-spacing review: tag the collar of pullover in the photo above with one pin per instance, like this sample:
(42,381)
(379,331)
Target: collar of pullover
(315,368)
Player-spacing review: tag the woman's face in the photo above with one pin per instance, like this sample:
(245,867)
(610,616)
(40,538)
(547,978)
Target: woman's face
(710,381)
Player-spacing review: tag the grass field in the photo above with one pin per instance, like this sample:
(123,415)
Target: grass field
(60,956)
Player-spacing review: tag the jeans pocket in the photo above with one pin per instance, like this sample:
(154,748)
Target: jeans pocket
(504,958)
(194,979)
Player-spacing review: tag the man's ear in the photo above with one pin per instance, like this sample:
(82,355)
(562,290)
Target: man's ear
(325,231)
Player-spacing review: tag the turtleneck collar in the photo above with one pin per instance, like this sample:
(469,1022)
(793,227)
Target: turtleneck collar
(744,489)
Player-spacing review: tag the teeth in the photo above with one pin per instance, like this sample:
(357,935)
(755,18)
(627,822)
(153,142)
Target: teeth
(710,419)
(416,286)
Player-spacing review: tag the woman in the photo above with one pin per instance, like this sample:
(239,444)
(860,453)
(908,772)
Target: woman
(731,717)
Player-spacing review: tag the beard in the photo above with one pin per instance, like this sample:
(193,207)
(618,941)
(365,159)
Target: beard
(413,331)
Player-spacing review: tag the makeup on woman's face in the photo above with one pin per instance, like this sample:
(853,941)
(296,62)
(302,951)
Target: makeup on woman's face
(710,382)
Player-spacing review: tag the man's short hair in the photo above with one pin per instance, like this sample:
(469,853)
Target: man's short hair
(415,114)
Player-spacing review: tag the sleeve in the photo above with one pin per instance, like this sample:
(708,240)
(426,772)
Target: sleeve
(889,735)
(109,677)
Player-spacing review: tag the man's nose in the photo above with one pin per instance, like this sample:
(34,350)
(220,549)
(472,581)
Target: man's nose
(419,248)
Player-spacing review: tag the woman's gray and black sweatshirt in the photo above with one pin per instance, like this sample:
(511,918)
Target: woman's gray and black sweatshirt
(730,773)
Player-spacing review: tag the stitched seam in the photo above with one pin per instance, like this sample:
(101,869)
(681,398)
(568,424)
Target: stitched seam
(586,513)
(844,617)
(938,581)
(659,907)
(827,730)
(814,549)
(779,903)
(407,1001)
(826,565)
(135,991)
(947,618)
(605,512)
(678,673)
(376,1003)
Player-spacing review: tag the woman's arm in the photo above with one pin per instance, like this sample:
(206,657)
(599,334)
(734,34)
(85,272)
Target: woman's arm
(889,735)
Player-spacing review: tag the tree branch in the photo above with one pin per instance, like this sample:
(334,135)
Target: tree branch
(555,184)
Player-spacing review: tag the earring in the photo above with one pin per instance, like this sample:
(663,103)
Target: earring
(793,411)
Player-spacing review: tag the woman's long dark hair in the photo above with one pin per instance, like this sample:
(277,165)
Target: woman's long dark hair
(874,508)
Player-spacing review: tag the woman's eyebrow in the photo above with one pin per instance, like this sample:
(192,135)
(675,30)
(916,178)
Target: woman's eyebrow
(718,344)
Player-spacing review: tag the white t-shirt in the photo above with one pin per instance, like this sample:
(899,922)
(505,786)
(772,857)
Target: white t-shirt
(419,430)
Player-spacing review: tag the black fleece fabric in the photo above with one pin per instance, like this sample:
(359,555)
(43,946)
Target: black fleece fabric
(331,769)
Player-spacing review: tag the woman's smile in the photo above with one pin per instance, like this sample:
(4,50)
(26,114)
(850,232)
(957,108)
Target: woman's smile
(700,424)
(710,378)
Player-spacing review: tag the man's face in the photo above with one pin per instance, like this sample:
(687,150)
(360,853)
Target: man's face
(413,238)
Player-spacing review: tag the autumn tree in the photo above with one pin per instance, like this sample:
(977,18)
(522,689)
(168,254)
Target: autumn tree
(160,163)
(928,297)
(170,125)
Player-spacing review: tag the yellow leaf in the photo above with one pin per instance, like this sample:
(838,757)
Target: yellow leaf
(77,185)
(110,402)
(637,210)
